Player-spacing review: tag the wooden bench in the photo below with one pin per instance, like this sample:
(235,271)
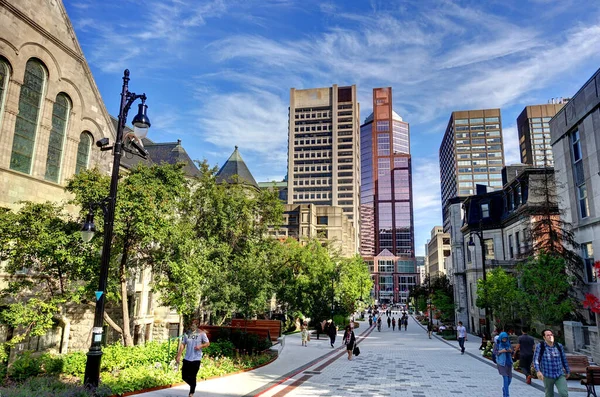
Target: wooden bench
(592,378)
(212,331)
(274,326)
(578,364)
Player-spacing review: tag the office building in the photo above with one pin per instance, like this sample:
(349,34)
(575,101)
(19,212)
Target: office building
(323,156)
(386,227)
(533,125)
(471,154)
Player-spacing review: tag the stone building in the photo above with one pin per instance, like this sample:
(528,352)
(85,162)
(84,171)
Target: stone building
(51,115)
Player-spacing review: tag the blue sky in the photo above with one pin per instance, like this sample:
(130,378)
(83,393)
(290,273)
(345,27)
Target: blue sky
(218,73)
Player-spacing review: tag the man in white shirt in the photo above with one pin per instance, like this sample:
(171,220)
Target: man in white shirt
(461,333)
(193,345)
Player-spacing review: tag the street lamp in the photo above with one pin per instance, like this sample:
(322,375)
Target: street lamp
(479,234)
(141,124)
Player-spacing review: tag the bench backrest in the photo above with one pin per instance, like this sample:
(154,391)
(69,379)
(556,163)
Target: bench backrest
(592,375)
(274,326)
(212,331)
(577,363)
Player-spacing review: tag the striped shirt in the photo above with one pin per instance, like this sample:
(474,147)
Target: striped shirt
(552,363)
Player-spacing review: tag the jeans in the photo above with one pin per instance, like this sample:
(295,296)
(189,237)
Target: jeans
(461,343)
(189,371)
(506,383)
(561,386)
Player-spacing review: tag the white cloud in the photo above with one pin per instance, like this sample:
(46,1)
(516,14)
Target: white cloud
(510,136)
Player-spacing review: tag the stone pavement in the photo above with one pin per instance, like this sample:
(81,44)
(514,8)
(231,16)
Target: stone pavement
(405,363)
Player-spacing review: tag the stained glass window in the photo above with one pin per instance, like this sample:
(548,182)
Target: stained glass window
(83,152)
(3,80)
(30,102)
(60,116)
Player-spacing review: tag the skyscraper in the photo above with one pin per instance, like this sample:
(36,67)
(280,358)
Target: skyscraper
(471,154)
(387,230)
(534,133)
(323,156)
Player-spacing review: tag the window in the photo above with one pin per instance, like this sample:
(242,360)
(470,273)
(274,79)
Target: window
(60,118)
(322,220)
(4,77)
(511,252)
(485,210)
(579,177)
(30,103)
(489,248)
(588,259)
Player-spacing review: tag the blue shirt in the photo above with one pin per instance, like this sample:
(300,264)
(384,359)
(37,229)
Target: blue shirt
(552,362)
(190,342)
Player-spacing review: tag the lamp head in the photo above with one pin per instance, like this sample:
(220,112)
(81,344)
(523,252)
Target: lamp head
(471,245)
(141,122)
(88,229)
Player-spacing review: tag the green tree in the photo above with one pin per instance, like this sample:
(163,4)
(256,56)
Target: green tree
(354,283)
(48,265)
(147,203)
(546,284)
(503,296)
(232,219)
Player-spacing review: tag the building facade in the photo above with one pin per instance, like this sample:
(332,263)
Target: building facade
(574,138)
(533,126)
(323,149)
(471,153)
(386,209)
(438,249)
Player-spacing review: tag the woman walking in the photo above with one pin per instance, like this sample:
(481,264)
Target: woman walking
(504,361)
(349,340)
(304,334)
(393,324)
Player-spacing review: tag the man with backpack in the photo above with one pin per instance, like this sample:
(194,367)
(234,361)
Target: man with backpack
(551,365)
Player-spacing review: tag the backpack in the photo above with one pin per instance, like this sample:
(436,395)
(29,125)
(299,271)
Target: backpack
(495,352)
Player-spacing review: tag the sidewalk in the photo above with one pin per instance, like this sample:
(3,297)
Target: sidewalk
(392,363)
(293,358)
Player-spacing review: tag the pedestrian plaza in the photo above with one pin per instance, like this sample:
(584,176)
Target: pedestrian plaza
(391,363)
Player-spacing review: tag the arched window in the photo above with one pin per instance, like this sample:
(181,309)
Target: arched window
(4,77)
(30,103)
(60,119)
(83,152)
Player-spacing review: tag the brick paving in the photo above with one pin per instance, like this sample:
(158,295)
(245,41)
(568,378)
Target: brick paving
(405,363)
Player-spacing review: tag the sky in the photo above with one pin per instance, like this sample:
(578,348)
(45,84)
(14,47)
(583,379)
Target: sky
(218,73)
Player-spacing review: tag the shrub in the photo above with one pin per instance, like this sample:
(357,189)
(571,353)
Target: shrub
(220,348)
(52,364)
(44,386)
(25,366)
(74,363)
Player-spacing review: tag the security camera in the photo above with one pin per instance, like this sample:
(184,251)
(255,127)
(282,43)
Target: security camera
(102,142)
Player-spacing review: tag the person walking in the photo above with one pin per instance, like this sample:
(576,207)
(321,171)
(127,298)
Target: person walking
(405,317)
(349,340)
(379,324)
(525,349)
(193,345)
(331,331)
(461,335)
(503,351)
(370,321)
(551,365)
(429,328)
(304,334)
(393,323)
(389,321)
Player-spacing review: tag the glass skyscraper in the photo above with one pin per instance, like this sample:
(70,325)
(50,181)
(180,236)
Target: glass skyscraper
(386,211)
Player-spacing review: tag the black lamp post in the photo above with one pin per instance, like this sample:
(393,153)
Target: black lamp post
(479,234)
(141,125)
(332,296)
(430,300)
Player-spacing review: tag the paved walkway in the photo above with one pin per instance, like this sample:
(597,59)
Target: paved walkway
(404,363)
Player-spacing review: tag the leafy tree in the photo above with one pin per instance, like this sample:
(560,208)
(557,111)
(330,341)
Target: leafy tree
(354,282)
(48,265)
(438,288)
(503,296)
(546,283)
(231,219)
(146,207)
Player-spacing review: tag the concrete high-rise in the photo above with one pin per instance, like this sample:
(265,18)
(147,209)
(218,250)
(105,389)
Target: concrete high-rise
(386,210)
(438,249)
(471,154)
(533,125)
(323,155)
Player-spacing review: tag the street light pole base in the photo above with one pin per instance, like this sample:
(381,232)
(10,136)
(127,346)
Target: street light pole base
(92,369)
